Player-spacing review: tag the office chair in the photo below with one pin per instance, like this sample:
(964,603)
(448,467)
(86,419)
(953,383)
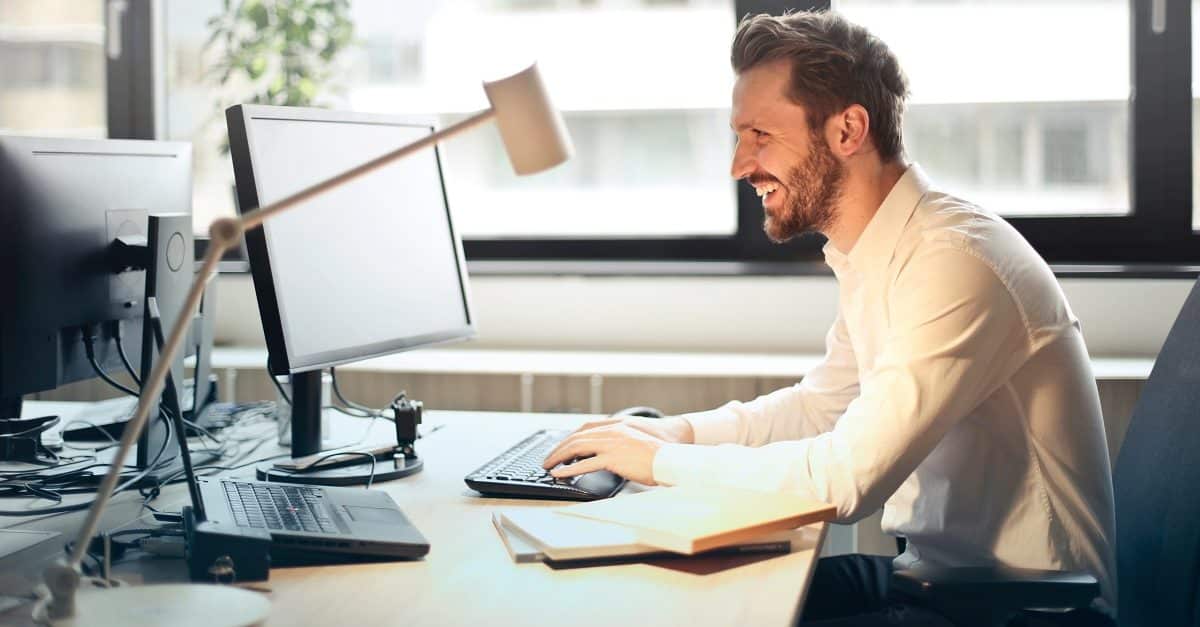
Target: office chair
(1157,488)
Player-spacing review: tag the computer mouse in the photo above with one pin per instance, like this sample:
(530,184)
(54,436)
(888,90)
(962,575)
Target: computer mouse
(645,412)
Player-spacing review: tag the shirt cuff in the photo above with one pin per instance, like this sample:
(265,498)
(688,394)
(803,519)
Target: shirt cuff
(715,426)
(676,463)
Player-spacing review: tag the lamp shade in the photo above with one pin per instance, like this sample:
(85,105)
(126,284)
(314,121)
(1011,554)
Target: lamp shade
(533,131)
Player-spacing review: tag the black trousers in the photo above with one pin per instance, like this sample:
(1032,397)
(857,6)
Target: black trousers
(852,591)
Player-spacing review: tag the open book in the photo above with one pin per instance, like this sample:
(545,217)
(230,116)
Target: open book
(688,519)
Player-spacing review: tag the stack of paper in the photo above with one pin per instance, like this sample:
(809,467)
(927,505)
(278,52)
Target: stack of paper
(693,519)
(679,520)
(544,535)
(559,537)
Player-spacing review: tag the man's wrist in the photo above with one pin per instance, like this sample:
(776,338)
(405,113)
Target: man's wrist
(681,430)
(715,426)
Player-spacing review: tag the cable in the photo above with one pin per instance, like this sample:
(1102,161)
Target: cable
(99,428)
(337,392)
(95,549)
(120,334)
(204,432)
(32,436)
(370,477)
(228,447)
(153,465)
(282,394)
(52,483)
(35,429)
(90,349)
(367,412)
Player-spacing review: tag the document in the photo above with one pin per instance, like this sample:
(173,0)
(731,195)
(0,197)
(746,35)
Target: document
(543,534)
(688,519)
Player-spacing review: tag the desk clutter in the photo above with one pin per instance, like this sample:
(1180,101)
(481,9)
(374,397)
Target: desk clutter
(757,577)
(673,520)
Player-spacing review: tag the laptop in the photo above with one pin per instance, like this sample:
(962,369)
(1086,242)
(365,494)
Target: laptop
(313,524)
(307,524)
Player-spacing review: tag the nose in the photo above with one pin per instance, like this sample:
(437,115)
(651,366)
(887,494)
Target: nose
(743,161)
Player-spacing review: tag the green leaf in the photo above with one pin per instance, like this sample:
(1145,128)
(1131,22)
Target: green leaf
(257,66)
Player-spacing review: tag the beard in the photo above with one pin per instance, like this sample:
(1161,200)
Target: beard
(814,188)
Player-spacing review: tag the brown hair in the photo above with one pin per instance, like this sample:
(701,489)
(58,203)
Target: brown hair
(835,64)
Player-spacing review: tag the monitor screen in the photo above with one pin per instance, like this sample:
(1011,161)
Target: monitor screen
(368,268)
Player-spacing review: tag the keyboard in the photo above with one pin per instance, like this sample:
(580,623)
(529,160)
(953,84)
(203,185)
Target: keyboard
(110,417)
(518,472)
(279,507)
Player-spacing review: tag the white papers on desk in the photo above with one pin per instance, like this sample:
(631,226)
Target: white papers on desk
(546,535)
(562,538)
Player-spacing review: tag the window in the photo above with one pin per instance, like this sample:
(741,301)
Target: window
(1066,116)
(1195,112)
(52,55)
(1037,128)
(649,122)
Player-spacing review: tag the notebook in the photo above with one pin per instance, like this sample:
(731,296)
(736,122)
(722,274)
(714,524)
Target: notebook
(519,549)
(688,519)
(569,537)
(542,534)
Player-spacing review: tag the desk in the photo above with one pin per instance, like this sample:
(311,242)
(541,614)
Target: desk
(469,579)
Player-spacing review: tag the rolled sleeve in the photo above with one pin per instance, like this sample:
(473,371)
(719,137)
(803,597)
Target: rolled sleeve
(676,463)
(716,426)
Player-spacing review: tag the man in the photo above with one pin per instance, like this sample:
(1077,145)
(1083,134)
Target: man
(956,391)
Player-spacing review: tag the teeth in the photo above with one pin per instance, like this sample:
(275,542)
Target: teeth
(763,190)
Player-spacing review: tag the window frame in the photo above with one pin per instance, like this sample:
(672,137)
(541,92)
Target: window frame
(1155,239)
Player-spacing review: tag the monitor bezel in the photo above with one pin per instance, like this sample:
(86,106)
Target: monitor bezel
(271,311)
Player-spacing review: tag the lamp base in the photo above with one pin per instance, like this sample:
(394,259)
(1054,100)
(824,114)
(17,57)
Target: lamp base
(356,473)
(178,605)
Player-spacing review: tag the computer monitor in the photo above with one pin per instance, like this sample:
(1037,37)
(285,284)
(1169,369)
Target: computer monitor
(369,268)
(65,201)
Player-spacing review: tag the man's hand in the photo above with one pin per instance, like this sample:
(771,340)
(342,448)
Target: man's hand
(674,430)
(625,447)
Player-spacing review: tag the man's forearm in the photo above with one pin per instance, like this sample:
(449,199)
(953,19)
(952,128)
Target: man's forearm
(679,430)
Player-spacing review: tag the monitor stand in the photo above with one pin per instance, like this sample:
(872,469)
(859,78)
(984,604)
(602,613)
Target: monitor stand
(169,273)
(306,441)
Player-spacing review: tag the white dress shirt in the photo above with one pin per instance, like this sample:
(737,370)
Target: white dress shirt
(956,393)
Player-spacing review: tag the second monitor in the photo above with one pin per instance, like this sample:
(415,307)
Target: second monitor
(367,269)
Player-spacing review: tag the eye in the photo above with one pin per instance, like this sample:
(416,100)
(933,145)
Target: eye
(759,133)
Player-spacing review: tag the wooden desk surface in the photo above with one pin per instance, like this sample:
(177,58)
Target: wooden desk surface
(469,579)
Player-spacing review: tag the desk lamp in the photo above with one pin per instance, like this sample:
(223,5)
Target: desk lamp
(535,139)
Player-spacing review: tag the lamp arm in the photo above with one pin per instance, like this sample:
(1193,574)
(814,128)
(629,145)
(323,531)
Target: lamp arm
(251,219)
(148,399)
(62,577)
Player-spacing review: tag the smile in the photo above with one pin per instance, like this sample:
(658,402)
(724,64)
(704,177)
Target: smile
(763,190)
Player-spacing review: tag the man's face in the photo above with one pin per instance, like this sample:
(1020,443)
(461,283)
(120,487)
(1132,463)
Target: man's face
(790,165)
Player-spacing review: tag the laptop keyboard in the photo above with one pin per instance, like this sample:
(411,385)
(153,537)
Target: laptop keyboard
(279,507)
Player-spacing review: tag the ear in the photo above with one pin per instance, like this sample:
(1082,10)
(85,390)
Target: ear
(848,131)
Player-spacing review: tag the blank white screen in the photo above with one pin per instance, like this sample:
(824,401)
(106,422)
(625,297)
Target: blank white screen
(369,262)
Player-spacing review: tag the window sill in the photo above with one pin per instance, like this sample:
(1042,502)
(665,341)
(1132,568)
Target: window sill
(796,268)
(477,361)
(756,268)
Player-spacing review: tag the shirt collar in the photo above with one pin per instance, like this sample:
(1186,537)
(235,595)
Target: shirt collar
(878,241)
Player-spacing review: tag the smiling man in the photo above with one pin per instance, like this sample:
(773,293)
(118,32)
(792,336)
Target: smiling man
(956,391)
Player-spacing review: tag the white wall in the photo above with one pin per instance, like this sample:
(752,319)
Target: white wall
(1120,317)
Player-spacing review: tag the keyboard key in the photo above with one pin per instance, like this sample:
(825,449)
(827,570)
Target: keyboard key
(518,471)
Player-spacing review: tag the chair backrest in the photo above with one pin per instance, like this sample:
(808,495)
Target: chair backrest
(1157,487)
